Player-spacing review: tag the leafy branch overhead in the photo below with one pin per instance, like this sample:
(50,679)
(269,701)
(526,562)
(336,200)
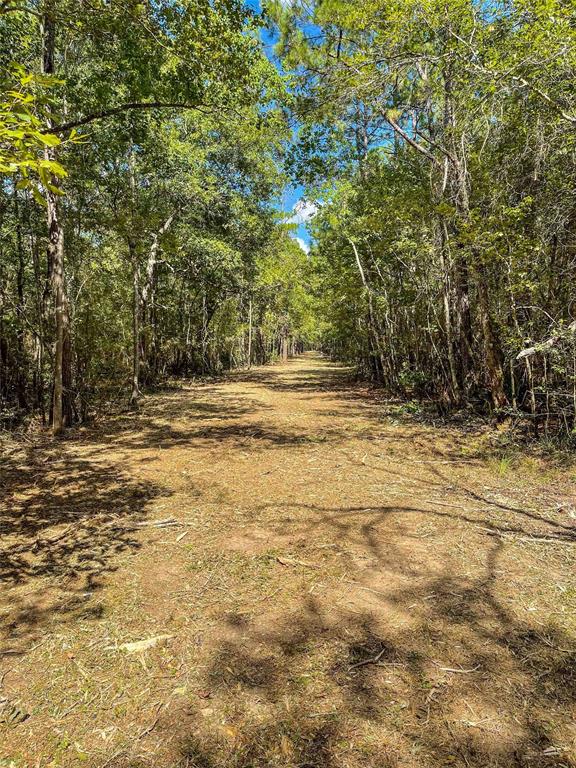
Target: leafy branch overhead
(432,142)
(24,99)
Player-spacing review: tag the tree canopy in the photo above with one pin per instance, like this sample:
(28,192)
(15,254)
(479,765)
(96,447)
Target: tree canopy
(440,137)
(144,148)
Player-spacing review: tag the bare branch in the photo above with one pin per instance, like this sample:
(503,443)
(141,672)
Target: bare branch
(407,138)
(136,105)
(521,81)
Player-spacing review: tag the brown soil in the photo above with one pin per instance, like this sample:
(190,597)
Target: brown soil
(346,587)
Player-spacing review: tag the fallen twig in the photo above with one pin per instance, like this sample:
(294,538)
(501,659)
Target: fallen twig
(291,561)
(374,660)
(168,522)
(20,652)
(458,670)
(551,645)
(51,539)
(154,723)
(535,539)
(368,589)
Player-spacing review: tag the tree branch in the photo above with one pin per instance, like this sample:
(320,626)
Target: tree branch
(6,8)
(407,138)
(544,96)
(135,105)
(437,146)
(554,103)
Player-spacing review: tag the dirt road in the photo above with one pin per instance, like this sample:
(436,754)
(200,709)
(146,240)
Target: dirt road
(333,584)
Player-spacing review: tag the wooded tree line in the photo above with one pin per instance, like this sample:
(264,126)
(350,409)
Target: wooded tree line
(140,150)
(143,146)
(440,137)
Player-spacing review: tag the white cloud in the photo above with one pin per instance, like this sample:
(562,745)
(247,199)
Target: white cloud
(303,212)
(305,247)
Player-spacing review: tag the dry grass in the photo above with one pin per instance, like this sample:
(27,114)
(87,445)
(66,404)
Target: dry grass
(342,589)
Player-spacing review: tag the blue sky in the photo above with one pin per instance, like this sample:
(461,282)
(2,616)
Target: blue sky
(290,199)
(292,195)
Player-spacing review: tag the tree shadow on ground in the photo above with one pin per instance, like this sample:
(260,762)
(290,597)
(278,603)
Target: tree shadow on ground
(293,378)
(433,668)
(415,660)
(509,512)
(172,423)
(63,522)
(388,699)
(211,414)
(466,684)
(373,402)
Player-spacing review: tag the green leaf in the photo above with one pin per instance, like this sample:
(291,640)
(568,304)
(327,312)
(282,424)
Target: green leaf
(40,199)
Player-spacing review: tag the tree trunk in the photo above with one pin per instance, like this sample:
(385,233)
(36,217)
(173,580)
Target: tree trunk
(136,297)
(40,335)
(446,302)
(55,254)
(492,353)
(375,332)
(56,245)
(135,392)
(148,300)
(457,186)
(250,333)
(205,330)
(21,378)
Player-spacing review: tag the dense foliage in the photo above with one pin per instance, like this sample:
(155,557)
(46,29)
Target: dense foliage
(440,136)
(151,136)
(143,148)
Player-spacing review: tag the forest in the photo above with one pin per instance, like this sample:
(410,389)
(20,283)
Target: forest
(287,383)
(144,152)
(141,153)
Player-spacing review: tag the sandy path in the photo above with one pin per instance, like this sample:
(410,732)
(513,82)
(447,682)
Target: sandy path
(344,586)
